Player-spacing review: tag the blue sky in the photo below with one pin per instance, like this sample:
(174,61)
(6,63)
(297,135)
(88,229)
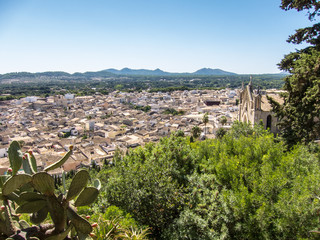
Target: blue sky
(247,36)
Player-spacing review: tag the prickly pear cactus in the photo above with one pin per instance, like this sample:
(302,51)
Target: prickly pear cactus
(33,193)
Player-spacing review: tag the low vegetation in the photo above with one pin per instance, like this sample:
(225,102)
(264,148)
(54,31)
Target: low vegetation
(245,185)
(242,186)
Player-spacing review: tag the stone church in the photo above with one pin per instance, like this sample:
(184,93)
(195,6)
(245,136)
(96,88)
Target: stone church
(254,106)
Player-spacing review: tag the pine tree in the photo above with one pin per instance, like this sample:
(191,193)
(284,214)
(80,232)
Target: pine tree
(299,115)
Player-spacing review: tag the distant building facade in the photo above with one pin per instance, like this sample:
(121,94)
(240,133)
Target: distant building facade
(254,106)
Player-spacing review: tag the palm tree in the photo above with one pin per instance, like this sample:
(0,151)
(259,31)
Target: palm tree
(223,120)
(195,131)
(205,120)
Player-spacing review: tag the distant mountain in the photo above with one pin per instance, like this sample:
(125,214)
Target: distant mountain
(159,72)
(210,71)
(128,71)
(110,73)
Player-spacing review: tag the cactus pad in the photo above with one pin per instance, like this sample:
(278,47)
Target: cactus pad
(79,182)
(87,196)
(39,216)
(43,182)
(31,207)
(15,156)
(3,179)
(14,197)
(56,210)
(27,165)
(60,162)
(31,196)
(15,182)
(60,236)
(33,162)
(81,224)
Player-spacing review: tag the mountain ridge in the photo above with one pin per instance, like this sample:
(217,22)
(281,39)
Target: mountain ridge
(159,72)
(112,72)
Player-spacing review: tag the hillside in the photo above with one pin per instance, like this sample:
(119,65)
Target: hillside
(209,71)
(113,72)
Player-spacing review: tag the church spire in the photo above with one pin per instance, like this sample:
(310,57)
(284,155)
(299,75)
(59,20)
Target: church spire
(250,83)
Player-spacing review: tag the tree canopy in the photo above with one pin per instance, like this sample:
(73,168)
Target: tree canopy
(299,114)
(242,186)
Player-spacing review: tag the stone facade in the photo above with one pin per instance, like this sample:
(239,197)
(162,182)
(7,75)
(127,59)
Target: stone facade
(254,106)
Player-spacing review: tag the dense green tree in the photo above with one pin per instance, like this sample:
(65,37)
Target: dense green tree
(299,114)
(173,111)
(149,182)
(223,120)
(242,186)
(220,133)
(309,34)
(205,120)
(248,187)
(195,131)
(179,133)
(203,217)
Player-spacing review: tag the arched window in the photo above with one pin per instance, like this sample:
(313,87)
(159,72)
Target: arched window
(269,121)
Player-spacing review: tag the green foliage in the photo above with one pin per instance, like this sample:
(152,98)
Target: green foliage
(223,120)
(42,84)
(139,107)
(66,134)
(118,87)
(125,219)
(149,182)
(205,120)
(308,34)
(220,133)
(240,129)
(6,98)
(195,131)
(301,109)
(242,186)
(15,156)
(34,193)
(60,162)
(245,190)
(202,217)
(84,136)
(143,108)
(179,133)
(299,115)
(107,115)
(114,223)
(173,111)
